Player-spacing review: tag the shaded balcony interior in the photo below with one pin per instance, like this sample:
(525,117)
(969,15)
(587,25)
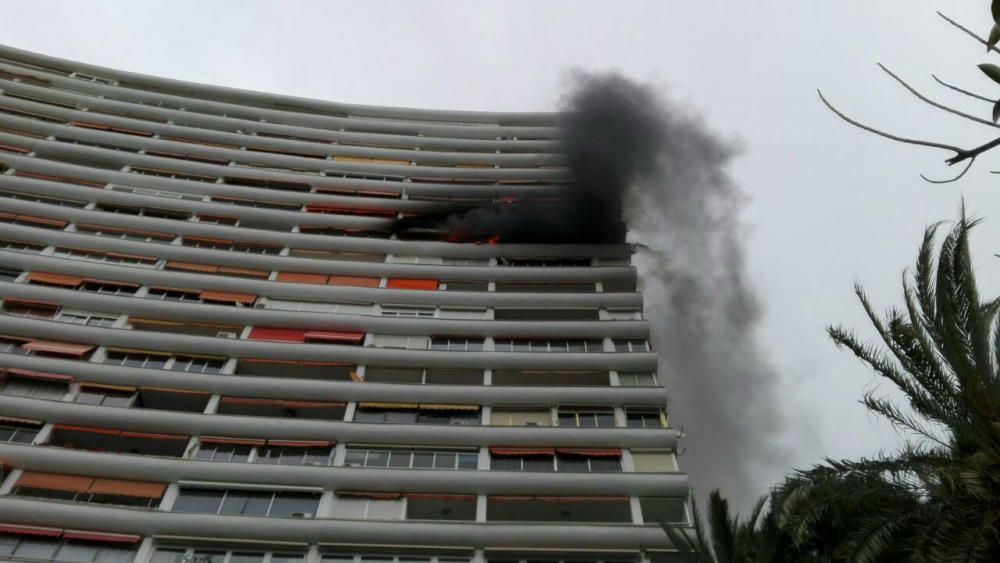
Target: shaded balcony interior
(414,413)
(189,329)
(545,314)
(148,397)
(97,439)
(531,378)
(430,376)
(558,509)
(322,371)
(278,408)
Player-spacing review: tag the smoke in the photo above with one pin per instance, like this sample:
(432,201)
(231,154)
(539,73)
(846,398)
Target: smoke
(669,172)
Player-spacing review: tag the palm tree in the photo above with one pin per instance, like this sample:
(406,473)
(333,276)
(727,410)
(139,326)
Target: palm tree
(939,498)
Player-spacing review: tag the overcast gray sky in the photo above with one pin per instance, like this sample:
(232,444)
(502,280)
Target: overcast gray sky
(828,205)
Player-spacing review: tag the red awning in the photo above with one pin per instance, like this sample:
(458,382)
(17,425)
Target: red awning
(228,297)
(361,494)
(438,496)
(301,443)
(90,429)
(522,451)
(335,336)
(411,283)
(279,334)
(250,401)
(353,281)
(311,404)
(38,374)
(101,536)
(55,279)
(30,530)
(517,498)
(65,348)
(591,452)
(234,441)
(152,436)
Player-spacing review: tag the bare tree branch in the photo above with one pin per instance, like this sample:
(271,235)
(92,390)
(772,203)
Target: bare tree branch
(973,153)
(961,91)
(969,32)
(940,106)
(955,179)
(958,151)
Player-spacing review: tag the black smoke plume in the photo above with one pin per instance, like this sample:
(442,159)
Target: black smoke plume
(670,174)
(632,153)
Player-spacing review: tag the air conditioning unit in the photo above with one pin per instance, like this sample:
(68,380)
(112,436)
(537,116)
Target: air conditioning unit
(302,515)
(226,334)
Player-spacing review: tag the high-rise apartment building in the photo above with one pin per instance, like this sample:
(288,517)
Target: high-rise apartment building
(218,345)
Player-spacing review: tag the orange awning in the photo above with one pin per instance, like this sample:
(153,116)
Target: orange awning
(301,277)
(513,451)
(30,373)
(438,496)
(51,347)
(228,297)
(311,404)
(249,401)
(55,481)
(591,452)
(30,530)
(107,387)
(353,281)
(55,279)
(144,489)
(335,336)
(244,271)
(411,283)
(152,436)
(101,536)
(191,266)
(90,429)
(279,334)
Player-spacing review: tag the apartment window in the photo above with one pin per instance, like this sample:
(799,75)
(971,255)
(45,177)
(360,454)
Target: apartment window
(108,288)
(520,417)
(157,212)
(429,260)
(171,174)
(224,452)
(418,557)
(294,455)
(432,376)
(400,341)
(654,461)
(20,432)
(31,547)
(405,458)
(33,388)
(243,502)
(645,418)
(637,379)
(407,312)
(586,417)
(460,313)
(198,364)
(412,413)
(588,460)
(463,285)
(523,345)
(257,203)
(105,257)
(318,306)
(107,396)
(230,220)
(13,346)
(631,345)
(9,275)
(87,318)
(165,294)
(35,309)
(157,193)
(19,246)
(522,459)
(475,262)
(456,344)
(127,234)
(136,359)
(208,555)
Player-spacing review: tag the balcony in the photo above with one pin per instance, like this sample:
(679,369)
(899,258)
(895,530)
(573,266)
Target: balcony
(291,369)
(528,378)
(248,406)
(413,413)
(97,439)
(91,490)
(558,509)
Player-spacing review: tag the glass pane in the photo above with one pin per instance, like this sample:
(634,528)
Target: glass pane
(287,503)
(444,461)
(317,456)
(588,420)
(368,415)
(605,420)
(399,459)
(205,501)
(538,463)
(90,398)
(468,461)
(605,464)
(204,453)
(6,433)
(7,544)
(240,454)
(423,460)
(168,556)
(355,457)
(244,557)
(115,555)
(72,551)
(235,502)
(401,417)
(573,464)
(506,463)
(209,556)
(24,436)
(117,400)
(39,549)
(567,419)
(288,558)
(258,503)
(377,459)
(268,455)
